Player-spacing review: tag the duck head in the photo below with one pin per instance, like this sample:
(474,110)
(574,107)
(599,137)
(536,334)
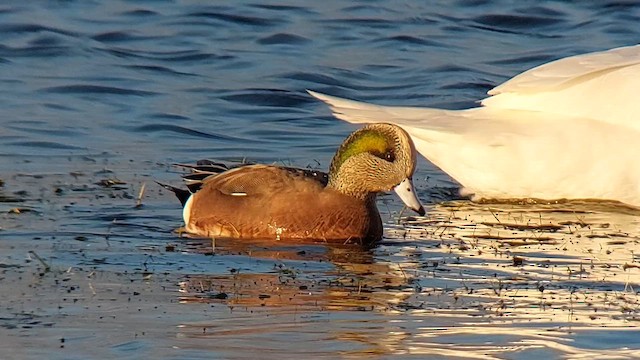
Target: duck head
(377,158)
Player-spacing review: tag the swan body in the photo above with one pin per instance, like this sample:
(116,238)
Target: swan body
(569,129)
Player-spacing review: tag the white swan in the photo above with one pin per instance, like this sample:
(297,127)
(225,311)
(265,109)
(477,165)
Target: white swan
(569,129)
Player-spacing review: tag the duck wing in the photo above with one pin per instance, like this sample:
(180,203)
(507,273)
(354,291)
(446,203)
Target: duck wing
(244,179)
(205,169)
(259,179)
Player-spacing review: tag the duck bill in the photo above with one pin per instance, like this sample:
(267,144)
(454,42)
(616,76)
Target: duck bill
(408,196)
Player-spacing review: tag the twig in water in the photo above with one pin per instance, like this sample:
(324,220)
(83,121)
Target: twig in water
(108,234)
(140,195)
(495,216)
(47,268)
(403,273)
(400,214)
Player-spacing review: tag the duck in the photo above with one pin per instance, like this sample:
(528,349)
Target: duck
(568,129)
(280,203)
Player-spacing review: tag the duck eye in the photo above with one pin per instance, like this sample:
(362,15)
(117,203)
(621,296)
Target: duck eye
(389,156)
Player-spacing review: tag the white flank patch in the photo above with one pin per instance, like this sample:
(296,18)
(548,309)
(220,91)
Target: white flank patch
(186,211)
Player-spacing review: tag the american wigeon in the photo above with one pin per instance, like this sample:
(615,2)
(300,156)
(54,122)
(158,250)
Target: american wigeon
(283,203)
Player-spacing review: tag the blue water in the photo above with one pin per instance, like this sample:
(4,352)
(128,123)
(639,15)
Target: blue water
(104,90)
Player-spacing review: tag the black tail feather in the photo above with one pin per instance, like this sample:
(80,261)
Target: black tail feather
(200,171)
(203,169)
(206,166)
(181,194)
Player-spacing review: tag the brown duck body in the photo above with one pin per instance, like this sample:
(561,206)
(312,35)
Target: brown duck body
(271,202)
(283,203)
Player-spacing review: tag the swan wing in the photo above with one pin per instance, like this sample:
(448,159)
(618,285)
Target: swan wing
(357,112)
(569,70)
(601,86)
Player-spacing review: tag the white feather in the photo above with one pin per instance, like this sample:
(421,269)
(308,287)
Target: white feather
(566,129)
(186,211)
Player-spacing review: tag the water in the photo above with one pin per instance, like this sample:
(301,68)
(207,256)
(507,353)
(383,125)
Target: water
(99,98)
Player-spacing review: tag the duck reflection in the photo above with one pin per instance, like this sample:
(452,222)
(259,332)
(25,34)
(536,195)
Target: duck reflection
(341,277)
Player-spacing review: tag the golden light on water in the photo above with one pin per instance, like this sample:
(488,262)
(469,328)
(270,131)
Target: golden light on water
(469,280)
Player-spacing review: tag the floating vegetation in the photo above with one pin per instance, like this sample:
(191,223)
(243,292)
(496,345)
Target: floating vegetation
(111,183)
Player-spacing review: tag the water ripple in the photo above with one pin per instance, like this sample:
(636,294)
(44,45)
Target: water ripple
(119,36)
(268,97)
(283,38)
(236,19)
(284,8)
(158,69)
(515,21)
(171,56)
(315,78)
(40,127)
(408,39)
(45,145)
(43,51)
(151,128)
(95,89)
(527,59)
(374,23)
(33,28)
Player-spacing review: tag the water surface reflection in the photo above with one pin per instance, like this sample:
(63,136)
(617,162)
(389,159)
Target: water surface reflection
(534,276)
